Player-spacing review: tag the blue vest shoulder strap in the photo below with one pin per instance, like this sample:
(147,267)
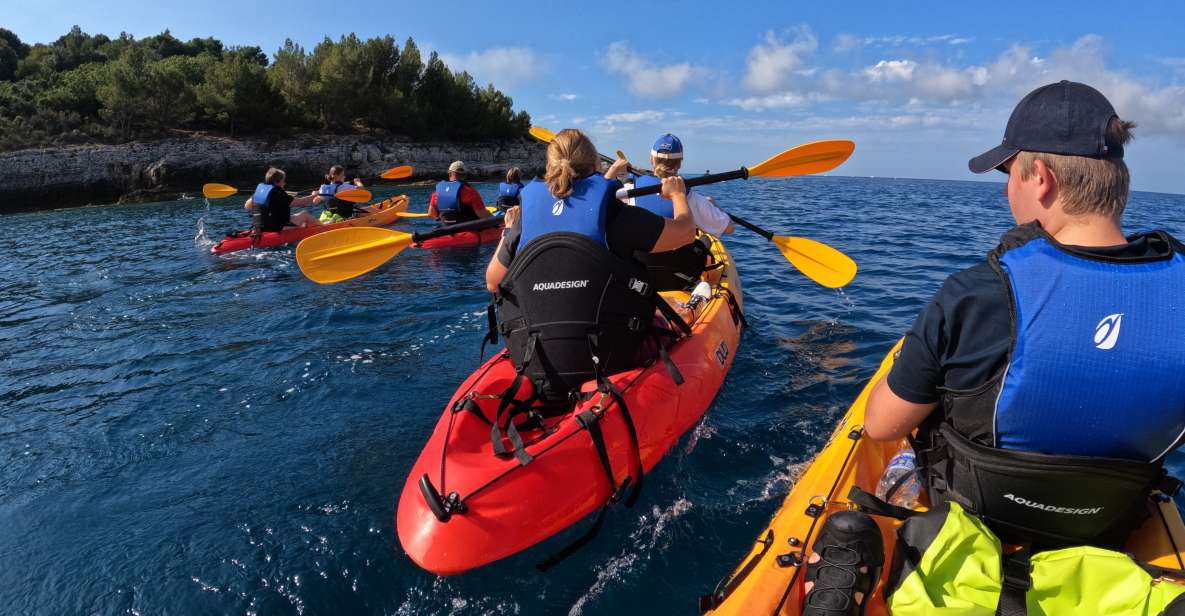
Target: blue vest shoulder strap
(583,212)
(332,188)
(1092,370)
(654,203)
(448,197)
(262,192)
(509,189)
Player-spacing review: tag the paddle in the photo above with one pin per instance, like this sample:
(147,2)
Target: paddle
(221,191)
(808,158)
(343,254)
(817,261)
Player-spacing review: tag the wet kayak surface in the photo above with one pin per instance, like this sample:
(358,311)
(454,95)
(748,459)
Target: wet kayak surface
(185,433)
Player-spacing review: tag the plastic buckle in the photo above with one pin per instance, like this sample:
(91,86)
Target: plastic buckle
(792,559)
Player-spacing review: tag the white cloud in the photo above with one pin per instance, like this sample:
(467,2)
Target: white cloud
(564,96)
(771,63)
(503,66)
(891,70)
(782,100)
(649,115)
(849,42)
(646,78)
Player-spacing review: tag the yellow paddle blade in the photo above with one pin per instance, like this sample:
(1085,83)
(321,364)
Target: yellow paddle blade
(397,173)
(412,214)
(492,210)
(818,261)
(343,254)
(354,195)
(218,191)
(542,134)
(620,154)
(808,158)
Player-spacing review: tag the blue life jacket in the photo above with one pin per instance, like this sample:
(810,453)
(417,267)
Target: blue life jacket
(655,203)
(344,209)
(262,192)
(329,190)
(448,197)
(1098,354)
(509,190)
(583,212)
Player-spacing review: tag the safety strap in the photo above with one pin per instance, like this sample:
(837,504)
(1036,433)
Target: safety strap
(869,503)
(508,407)
(1016,583)
(492,323)
(671,315)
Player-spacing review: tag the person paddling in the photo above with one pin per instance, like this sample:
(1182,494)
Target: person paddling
(336,210)
(679,268)
(1044,385)
(454,200)
(508,191)
(572,303)
(271,206)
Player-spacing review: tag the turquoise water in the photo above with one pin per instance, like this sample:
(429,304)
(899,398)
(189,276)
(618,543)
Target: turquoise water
(189,434)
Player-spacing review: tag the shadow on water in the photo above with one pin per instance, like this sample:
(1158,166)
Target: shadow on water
(185,433)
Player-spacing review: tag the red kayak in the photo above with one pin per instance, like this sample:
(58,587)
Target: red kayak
(463,506)
(472,233)
(385,213)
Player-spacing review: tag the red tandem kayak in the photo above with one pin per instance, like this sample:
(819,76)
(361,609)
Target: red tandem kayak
(494,507)
(386,213)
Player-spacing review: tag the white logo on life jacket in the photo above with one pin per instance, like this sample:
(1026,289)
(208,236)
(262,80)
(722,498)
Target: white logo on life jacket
(638,286)
(1052,508)
(557,208)
(1106,333)
(562,284)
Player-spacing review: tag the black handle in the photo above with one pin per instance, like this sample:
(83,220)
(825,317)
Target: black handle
(461,227)
(752,227)
(711,178)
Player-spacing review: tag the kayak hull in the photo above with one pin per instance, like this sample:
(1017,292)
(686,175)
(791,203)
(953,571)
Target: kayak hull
(490,235)
(387,214)
(520,506)
(760,585)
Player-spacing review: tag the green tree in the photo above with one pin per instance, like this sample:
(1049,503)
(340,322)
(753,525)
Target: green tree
(237,93)
(292,77)
(123,91)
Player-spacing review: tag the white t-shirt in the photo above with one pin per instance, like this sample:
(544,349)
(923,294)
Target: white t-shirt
(706,215)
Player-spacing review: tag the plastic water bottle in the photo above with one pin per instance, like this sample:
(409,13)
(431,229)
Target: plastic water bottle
(700,294)
(903,469)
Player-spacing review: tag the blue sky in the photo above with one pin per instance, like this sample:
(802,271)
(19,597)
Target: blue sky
(919,87)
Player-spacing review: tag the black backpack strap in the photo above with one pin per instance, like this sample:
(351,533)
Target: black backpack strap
(1016,583)
(508,407)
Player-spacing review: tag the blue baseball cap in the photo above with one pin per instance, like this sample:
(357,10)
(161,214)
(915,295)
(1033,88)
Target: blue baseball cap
(667,146)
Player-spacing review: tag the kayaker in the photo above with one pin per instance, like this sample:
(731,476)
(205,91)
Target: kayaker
(1045,384)
(336,210)
(454,200)
(679,268)
(508,191)
(271,206)
(566,258)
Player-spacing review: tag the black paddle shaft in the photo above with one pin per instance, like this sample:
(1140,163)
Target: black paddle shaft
(472,225)
(711,178)
(752,227)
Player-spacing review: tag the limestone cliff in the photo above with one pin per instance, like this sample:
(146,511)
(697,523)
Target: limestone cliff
(158,170)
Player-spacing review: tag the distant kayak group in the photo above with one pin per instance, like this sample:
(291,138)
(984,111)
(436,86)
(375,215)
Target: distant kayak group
(1007,458)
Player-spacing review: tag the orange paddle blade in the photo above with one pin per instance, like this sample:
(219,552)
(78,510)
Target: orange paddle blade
(218,191)
(397,173)
(412,214)
(542,134)
(343,254)
(808,158)
(818,261)
(354,195)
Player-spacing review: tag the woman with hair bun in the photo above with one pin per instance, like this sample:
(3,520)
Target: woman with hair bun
(566,263)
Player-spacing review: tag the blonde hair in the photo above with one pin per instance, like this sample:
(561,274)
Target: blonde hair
(1087,185)
(570,156)
(513,175)
(666,167)
(274,175)
(333,172)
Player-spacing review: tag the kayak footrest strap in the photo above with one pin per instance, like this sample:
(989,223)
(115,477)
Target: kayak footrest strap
(442,507)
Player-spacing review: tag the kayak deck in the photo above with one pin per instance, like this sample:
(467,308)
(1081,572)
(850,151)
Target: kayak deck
(768,580)
(386,212)
(508,507)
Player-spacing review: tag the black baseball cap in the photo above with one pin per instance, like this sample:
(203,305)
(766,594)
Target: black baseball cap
(1060,118)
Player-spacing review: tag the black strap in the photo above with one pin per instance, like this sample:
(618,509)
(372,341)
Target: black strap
(590,421)
(492,323)
(1016,583)
(671,314)
(666,359)
(607,386)
(869,503)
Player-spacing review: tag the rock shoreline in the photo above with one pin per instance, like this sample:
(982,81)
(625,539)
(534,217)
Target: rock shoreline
(160,170)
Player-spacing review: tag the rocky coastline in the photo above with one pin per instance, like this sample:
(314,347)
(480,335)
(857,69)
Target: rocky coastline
(163,169)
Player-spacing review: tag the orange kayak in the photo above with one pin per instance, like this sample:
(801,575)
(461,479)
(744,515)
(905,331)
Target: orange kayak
(769,580)
(498,507)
